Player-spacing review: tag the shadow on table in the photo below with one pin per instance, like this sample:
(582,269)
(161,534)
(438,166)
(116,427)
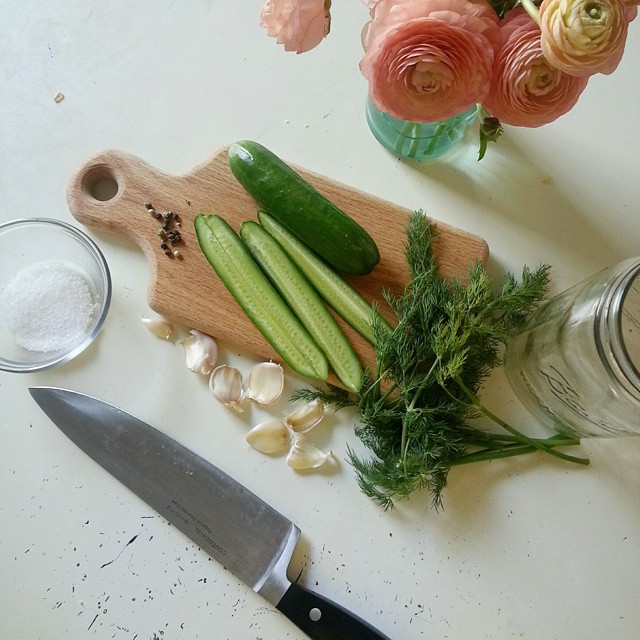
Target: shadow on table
(510,184)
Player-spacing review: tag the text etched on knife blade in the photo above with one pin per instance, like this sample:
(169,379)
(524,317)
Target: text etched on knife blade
(199,527)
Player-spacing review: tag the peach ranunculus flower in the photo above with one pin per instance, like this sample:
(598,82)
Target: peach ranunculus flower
(300,25)
(526,90)
(428,60)
(583,37)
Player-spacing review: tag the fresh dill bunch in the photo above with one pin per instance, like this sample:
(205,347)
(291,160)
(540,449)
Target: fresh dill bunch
(416,406)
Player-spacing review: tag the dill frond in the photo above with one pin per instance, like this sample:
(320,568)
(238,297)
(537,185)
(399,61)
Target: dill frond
(447,341)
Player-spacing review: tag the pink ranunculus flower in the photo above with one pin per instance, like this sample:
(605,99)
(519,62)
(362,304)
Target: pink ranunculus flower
(632,9)
(583,37)
(428,60)
(526,90)
(300,25)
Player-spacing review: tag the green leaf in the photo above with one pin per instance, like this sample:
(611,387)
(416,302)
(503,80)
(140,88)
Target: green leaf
(502,6)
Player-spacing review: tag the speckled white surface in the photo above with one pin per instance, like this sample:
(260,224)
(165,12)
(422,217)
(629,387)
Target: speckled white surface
(527,549)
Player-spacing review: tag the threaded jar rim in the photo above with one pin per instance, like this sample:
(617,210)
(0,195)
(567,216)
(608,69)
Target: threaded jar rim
(610,338)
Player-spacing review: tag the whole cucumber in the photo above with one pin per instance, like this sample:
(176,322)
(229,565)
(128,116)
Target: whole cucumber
(263,305)
(316,221)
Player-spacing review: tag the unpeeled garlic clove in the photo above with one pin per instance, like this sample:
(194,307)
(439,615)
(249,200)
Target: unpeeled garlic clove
(305,455)
(269,437)
(201,352)
(226,385)
(159,327)
(266,382)
(306,417)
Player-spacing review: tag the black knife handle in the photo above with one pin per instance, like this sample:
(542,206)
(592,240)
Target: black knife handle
(322,619)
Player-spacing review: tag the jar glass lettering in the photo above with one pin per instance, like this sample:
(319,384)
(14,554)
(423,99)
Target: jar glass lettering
(577,365)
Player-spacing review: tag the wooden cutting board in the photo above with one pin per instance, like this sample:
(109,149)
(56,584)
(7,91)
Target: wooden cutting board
(186,288)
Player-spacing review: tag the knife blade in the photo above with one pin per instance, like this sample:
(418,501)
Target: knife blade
(229,522)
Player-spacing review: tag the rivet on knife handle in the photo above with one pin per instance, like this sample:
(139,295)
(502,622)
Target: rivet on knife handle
(322,619)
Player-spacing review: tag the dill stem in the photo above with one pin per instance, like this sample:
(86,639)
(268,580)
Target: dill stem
(493,454)
(514,449)
(386,394)
(423,384)
(376,383)
(500,440)
(532,442)
(404,444)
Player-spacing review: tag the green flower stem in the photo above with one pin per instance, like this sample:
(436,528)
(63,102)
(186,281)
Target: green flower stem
(482,113)
(406,130)
(531,9)
(413,146)
(435,138)
(507,427)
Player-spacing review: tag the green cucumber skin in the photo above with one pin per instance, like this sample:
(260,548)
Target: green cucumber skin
(322,226)
(252,290)
(306,304)
(337,293)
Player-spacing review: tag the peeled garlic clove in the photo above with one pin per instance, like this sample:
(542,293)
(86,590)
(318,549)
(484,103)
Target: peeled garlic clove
(266,382)
(269,437)
(305,455)
(226,385)
(158,326)
(305,417)
(201,352)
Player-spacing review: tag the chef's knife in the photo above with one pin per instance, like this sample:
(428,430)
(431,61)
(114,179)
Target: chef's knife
(226,520)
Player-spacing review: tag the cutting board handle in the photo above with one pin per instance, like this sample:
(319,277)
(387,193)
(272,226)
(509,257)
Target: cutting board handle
(109,192)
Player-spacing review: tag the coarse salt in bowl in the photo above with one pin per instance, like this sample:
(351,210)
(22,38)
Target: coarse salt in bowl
(55,290)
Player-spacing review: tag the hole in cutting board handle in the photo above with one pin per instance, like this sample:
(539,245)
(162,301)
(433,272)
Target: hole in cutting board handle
(101,183)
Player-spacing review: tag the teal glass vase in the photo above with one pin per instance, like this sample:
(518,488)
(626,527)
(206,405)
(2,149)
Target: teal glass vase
(418,140)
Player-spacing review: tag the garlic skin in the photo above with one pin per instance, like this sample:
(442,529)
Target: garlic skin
(268,437)
(306,417)
(201,352)
(225,384)
(266,382)
(305,455)
(159,327)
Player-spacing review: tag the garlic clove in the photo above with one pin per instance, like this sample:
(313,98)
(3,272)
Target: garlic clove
(266,382)
(201,352)
(306,417)
(159,327)
(225,384)
(305,455)
(268,437)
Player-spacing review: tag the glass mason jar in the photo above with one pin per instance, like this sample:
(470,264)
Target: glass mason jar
(577,365)
(418,140)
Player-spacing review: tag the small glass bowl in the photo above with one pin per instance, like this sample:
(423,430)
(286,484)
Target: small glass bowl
(27,241)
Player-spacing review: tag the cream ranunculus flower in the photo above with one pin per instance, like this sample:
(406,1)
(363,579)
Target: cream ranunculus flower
(583,37)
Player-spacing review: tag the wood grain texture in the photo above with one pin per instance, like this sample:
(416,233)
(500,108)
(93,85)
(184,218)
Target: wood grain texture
(187,289)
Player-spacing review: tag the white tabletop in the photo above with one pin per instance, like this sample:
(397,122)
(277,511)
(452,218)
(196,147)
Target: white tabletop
(529,548)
